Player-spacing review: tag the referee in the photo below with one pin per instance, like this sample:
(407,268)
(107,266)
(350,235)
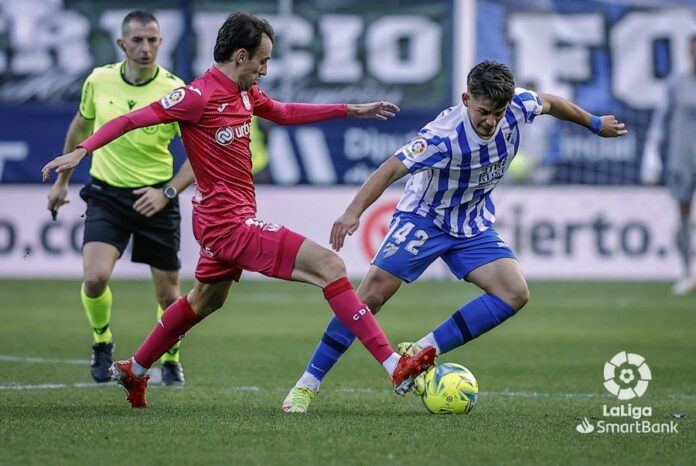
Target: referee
(132,192)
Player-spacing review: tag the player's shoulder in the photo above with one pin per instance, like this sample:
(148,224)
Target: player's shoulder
(525,103)
(105,72)
(522,95)
(193,95)
(445,123)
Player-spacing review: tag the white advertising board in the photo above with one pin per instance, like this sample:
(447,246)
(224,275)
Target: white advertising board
(563,232)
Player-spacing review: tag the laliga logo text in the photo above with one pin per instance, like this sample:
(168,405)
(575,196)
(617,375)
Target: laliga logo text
(626,376)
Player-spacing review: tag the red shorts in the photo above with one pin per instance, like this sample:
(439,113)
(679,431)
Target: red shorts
(255,246)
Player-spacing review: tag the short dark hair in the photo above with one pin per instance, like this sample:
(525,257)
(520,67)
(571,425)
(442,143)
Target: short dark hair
(141,16)
(240,31)
(491,80)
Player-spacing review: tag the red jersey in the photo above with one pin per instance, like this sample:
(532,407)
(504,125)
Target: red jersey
(214,115)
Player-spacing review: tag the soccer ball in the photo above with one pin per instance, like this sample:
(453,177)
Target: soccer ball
(449,388)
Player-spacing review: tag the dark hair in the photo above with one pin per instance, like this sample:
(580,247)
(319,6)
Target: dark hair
(491,80)
(143,17)
(240,31)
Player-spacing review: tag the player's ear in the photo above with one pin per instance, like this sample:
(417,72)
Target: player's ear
(241,55)
(121,44)
(465,98)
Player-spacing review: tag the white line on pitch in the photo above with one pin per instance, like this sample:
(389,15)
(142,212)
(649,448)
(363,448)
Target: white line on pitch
(8,358)
(48,386)
(51,386)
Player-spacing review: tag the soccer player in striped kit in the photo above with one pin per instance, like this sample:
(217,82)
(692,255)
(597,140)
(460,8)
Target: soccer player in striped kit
(214,113)
(446,212)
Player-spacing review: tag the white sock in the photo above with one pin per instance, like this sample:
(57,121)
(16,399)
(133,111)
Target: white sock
(309,380)
(429,340)
(390,363)
(137,368)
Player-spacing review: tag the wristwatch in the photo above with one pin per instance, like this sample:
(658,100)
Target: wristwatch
(170,192)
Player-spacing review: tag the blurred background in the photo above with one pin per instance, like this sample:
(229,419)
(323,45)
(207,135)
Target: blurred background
(571,205)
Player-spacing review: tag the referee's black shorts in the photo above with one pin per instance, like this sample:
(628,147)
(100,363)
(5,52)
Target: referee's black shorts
(110,218)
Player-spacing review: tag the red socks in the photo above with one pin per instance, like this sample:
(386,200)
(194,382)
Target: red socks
(357,317)
(175,322)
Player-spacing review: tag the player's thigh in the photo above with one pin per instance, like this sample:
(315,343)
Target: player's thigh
(378,287)
(107,219)
(317,265)
(503,278)
(166,284)
(98,261)
(206,298)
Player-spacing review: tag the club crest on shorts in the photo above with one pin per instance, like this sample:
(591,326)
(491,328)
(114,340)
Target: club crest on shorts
(245,100)
(173,98)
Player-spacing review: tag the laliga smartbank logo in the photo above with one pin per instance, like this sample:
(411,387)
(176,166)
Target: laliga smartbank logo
(626,376)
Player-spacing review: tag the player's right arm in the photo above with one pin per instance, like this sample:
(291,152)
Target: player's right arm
(426,151)
(181,105)
(80,128)
(387,173)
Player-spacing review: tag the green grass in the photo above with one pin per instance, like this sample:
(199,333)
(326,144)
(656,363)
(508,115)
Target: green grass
(539,374)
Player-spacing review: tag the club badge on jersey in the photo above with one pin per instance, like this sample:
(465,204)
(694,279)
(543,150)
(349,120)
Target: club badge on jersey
(245,100)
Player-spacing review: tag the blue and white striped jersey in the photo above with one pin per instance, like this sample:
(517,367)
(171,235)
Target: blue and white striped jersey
(454,170)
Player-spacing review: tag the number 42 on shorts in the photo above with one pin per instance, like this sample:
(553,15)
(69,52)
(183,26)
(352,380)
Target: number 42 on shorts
(401,234)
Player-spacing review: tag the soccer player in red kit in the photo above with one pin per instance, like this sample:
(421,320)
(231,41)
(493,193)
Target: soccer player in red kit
(214,114)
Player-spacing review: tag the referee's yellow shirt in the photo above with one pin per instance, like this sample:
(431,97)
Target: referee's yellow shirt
(140,157)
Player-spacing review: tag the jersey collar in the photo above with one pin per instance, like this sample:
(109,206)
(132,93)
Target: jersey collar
(122,72)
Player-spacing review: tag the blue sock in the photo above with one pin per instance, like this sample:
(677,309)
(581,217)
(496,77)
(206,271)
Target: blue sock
(335,341)
(473,319)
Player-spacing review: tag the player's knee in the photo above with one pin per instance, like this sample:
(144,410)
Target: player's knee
(332,268)
(518,295)
(95,284)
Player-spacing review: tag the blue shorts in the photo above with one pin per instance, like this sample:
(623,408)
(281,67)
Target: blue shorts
(414,242)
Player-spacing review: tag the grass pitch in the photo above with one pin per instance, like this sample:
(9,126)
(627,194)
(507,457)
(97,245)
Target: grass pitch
(540,374)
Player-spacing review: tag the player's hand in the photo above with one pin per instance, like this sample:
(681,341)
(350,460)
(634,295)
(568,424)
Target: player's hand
(345,225)
(151,201)
(377,110)
(57,196)
(63,163)
(611,128)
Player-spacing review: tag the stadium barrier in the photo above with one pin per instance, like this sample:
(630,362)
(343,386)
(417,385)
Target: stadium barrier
(563,232)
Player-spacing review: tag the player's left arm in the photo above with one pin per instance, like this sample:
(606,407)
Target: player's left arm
(295,114)
(606,125)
